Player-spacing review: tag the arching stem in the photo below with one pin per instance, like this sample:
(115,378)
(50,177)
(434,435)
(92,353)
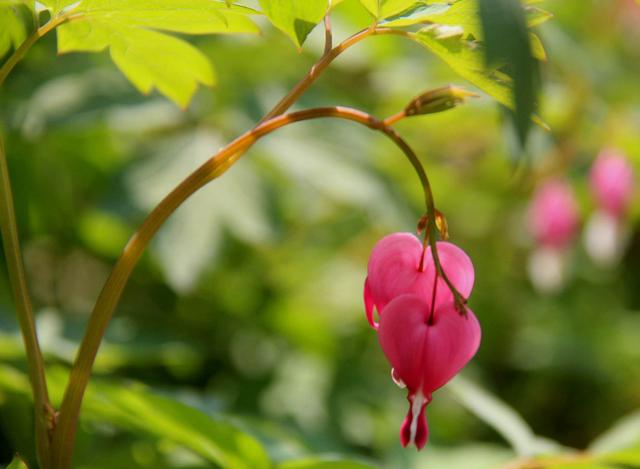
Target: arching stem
(107,301)
(21,51)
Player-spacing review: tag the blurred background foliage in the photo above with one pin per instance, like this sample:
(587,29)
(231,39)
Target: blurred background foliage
(249,306)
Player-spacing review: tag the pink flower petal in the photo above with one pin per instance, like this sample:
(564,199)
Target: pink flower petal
(612,182)
(393,271)
(553,216)
(459,269)
(393,268)
(426,356)
(369,304)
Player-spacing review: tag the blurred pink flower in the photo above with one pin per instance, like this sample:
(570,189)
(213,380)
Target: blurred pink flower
(553,215)
(394,270)
(612,185)
(426,347)
(424,337)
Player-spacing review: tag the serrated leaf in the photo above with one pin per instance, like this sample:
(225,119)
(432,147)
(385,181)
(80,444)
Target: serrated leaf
(463,13)
(385,8)
(295,18)
(192,17)
(536,16)
(148,58)
(324,463)
(372,6)
(466,58)
(537,49)
(392,7)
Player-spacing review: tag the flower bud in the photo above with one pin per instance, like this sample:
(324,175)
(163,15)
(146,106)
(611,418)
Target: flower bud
(438,100)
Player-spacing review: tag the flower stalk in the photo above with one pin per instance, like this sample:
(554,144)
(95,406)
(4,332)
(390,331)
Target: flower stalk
(44,413)
(56,432)
(64,436)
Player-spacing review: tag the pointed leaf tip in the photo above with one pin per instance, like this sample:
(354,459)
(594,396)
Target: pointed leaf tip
(295,18)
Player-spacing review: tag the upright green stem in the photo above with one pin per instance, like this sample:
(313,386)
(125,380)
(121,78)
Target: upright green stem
(64,435)
(17,278)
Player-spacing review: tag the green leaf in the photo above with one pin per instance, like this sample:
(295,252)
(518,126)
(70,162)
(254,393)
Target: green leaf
(507,42)
(579,465)
(295,18)
(15,24)
(149,58)
(324,463)
(192,17)
(463,13)
(623,434)
(626,458)
(386,8)
(372,6)
(500,416)
(56,6)
(537,49)
(466,58)
(17,463)
(136,408)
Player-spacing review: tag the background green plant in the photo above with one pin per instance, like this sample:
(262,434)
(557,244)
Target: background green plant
(247,310)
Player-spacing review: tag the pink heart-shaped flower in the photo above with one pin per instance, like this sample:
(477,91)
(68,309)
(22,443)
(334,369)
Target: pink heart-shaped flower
(394,270)
(425,350)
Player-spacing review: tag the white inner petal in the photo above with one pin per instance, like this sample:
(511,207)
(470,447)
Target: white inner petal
(605,239)
(396,379)
(416,406)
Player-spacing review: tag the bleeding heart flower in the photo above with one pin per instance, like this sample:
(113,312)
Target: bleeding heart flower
(611,179)
(553,217)
(553,222)
(424,337)
(426,347)
(606,234)
(394,269)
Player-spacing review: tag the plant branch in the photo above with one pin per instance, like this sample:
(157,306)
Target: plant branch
(328,36)
(107,301)
(13,255)
(432,227)
(21,51)
(316,70)
(64,436)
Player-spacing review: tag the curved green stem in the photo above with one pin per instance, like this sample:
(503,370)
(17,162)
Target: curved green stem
(21,51)
(432,228)
(43,409)
(64,435)
(314,72)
